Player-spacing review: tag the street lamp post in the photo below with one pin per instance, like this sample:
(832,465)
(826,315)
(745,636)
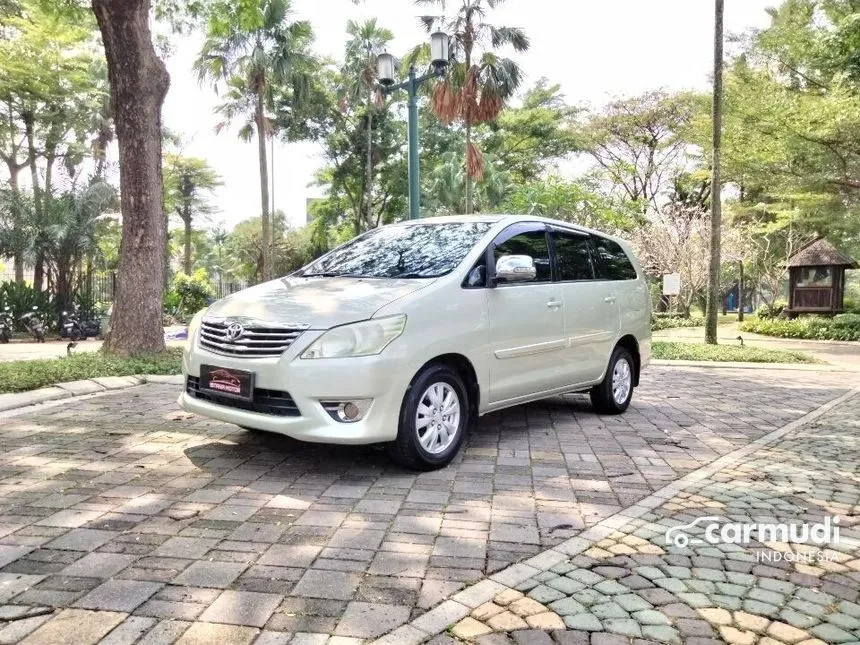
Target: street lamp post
(385,72)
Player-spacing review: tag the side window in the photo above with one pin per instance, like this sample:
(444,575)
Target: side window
(612,261)
(531,243)
(572,256)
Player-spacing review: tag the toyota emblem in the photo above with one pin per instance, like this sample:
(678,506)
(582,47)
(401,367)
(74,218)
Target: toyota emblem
(234,332)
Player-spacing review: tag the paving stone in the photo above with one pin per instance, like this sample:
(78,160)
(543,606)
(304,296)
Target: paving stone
(207,633)
(737,637)
(526,607)
(470,628)
(546,620)
(831,633)
(786,633)
(327,584)
(567,607)
(99,565)
(507,621)
(798,619)
(626,626)
(210,574)
(608,610)
(651,617)
(545,595)
(532,637)
(657,597)
(750,622)
(77,626)
(695,599)
(610,587)
(632,602)
(765,596)
(370,620)
(663,634)
(761,608)
(672,585)
(584,576)
(585,621)
(118,595)
(242,608)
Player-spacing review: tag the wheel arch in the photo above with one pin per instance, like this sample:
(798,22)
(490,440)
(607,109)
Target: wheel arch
(463,366)
(630,343)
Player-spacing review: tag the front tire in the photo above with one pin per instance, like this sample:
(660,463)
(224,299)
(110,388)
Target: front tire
(433,420)
(613,394)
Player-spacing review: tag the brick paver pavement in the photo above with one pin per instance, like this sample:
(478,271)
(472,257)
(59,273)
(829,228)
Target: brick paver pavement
(123,518)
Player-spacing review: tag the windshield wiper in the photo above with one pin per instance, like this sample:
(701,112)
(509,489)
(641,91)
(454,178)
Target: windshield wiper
(332,274)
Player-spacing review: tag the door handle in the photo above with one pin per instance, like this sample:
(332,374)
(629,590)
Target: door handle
(609,299)
(554,304)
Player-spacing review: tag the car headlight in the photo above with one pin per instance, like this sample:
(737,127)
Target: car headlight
(193,326)
(358,339)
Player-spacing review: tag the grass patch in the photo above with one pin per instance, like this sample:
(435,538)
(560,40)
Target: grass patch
(20,376)
(725,353)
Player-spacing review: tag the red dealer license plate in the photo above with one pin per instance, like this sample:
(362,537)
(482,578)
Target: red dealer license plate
(238,384)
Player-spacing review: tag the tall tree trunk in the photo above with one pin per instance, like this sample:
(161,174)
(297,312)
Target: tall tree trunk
(138,83)
(716,183)
(368,179)
(32,154)
(260,118)
(741,291)
(186,219)
(470,199)
(18,258)
(39,272)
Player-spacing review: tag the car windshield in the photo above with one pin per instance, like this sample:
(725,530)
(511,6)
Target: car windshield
(410,251)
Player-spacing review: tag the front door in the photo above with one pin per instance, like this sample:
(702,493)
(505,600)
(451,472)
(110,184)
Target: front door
(527,335)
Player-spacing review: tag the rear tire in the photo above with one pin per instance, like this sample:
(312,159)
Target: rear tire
(75,334)
(434,418)
(613,394)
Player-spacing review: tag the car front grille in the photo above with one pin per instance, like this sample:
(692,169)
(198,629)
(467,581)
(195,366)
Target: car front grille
(255,340)
(271,402)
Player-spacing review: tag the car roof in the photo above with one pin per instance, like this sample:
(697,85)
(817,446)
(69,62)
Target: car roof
(497,219)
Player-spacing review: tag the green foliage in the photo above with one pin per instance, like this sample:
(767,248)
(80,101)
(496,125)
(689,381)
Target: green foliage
(576,201)
(188,294)
(725,353)
(20,376)
(673,321)
(841,327)
(765,312)
(21,298)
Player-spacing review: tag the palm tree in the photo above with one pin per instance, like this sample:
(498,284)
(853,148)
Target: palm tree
(256,56)
(712,302)
(367,40)
(479,81)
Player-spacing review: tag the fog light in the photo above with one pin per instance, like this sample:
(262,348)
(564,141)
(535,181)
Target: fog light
(347,411)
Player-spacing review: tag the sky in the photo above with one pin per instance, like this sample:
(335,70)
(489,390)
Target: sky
(595,49)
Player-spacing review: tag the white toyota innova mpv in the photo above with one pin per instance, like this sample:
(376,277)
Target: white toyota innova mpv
(406,334)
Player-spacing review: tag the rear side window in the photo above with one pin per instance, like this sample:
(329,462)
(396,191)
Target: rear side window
(572,257)
(612,261)
(532,243)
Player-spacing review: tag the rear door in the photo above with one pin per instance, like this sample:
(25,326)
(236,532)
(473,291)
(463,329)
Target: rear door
(527,333)
(590,306)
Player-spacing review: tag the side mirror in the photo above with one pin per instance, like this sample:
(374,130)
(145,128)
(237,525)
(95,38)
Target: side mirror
(516,268)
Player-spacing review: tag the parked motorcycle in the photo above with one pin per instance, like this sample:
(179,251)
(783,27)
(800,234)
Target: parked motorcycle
(72,327)
(6,323)
(33,322)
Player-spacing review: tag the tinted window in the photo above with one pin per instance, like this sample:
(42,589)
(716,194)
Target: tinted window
(412,251)
(534,244)
(613,263)
(572,256)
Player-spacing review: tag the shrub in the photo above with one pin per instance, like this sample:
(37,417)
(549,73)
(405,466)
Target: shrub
(19,376)
(21,298)
(722,353)
(659,322)
(188,294)
(841,327)
(764,311)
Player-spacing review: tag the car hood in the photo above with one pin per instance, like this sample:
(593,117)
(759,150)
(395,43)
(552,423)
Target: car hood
(319,302)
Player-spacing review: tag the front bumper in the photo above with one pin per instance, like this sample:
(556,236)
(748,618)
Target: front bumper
(382,378)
